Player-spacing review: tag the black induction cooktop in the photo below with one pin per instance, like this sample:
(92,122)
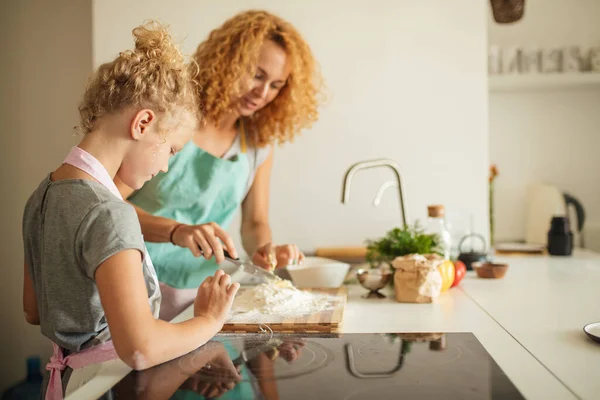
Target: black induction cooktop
(346,366)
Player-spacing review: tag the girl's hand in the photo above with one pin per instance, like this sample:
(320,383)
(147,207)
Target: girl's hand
(215,297)
(216,376)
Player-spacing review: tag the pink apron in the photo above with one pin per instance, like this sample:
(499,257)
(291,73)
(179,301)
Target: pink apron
(84,161)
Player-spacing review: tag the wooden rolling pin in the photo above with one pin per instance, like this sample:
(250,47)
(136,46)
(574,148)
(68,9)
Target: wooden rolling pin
(342,253)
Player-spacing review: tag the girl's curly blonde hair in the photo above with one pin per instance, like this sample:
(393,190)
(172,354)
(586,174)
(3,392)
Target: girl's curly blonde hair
(230,55)
(154,75)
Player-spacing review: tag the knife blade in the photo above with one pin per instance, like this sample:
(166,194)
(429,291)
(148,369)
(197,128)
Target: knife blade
(249,267)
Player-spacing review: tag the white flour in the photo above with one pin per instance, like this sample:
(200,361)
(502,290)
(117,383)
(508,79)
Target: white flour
(272,301)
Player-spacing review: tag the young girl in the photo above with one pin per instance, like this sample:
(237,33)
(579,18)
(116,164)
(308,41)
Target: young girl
(258,85)
(89,282)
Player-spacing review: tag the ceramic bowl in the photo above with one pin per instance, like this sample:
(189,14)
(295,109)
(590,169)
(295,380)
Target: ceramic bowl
(318,272)
(489,270)
(593,331)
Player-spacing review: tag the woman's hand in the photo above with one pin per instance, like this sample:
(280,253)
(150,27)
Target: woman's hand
(271,257)
(210,238)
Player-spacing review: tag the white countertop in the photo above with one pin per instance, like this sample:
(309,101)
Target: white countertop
(544,302)
(530,322)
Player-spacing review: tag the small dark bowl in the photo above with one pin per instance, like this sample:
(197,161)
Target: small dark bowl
(593,331)
(490,270)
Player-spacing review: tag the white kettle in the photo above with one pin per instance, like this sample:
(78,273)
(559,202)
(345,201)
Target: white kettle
(545,201)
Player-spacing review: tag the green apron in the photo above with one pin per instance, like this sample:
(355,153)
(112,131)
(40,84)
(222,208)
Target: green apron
(198,188)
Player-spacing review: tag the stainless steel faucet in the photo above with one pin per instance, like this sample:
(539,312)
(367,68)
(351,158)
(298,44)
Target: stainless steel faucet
(382,162)
(382,190)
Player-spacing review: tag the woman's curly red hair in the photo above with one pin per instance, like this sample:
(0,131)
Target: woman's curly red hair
(230,55)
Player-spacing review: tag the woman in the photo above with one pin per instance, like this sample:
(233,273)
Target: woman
(258,84)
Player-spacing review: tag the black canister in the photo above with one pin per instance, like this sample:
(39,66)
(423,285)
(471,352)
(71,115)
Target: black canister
(560,237)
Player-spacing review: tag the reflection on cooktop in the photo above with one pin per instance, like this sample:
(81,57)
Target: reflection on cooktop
(349,366)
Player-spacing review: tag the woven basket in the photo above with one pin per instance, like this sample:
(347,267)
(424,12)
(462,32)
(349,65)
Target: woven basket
(507,11)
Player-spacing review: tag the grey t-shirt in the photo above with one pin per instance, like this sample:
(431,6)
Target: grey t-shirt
(69,228)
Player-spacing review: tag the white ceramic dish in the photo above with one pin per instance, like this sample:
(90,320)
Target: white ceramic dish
(593,331)
(318,272)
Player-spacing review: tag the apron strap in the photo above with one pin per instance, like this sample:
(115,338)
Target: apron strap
(243,136)
(58,362)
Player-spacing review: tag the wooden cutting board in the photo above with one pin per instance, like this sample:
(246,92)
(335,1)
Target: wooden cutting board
(328,321)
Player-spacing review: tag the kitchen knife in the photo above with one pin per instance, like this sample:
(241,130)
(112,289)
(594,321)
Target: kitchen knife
(249,267)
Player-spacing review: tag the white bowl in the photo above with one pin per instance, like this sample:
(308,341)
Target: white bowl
(318,272)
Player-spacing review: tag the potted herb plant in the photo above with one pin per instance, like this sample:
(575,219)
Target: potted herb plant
(400,242)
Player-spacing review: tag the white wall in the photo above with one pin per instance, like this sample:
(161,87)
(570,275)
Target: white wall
(407,81)
(548,136)
(46,58)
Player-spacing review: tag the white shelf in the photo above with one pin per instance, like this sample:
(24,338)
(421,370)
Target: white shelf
(514,83)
